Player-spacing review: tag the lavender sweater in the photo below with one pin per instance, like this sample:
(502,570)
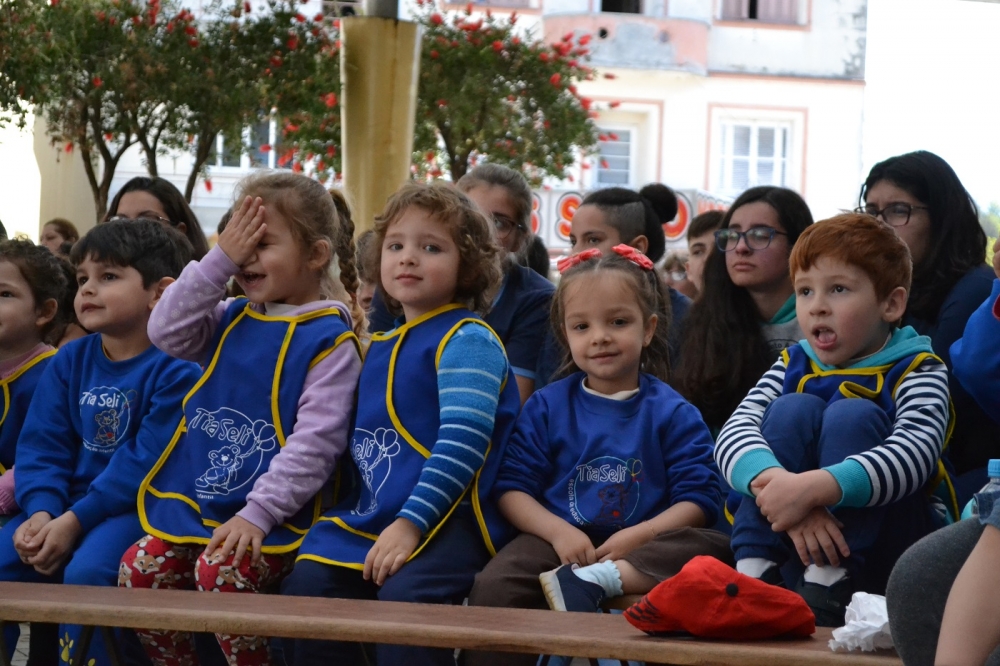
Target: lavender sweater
(182,325)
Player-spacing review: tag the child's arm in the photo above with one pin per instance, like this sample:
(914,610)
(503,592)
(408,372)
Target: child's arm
(185,318)
(311,451)
(470,373)
(741,451)
(623,542)
(115,490)
(524,512)
(974,358)
(970,629)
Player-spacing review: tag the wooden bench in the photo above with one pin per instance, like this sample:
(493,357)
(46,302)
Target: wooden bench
(496,629)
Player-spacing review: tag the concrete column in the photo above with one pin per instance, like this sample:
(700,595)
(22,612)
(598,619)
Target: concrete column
(380,63)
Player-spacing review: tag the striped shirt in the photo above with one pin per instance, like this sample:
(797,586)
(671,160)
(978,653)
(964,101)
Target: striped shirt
(899,467)
(471,372)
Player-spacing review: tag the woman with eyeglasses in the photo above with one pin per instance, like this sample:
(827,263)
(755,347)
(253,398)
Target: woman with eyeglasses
(158,199)
(921,197)
(746,314)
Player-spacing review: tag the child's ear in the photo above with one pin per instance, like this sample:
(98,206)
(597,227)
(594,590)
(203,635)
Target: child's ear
(160,287)
(319,255)
(46,312)
(649,330)
(894,305)
(640,243)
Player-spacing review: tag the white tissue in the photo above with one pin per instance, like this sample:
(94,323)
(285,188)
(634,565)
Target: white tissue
(867,625)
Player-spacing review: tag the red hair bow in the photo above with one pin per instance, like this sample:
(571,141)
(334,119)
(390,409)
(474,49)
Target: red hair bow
(633,255)
(567,263)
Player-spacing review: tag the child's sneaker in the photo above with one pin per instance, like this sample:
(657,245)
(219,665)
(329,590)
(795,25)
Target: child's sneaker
(829,603)
(772,576)
(565,591)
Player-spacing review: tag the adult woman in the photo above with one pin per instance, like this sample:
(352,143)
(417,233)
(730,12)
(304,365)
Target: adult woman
(920,195)
(158,199)
(746,314)
(56,232)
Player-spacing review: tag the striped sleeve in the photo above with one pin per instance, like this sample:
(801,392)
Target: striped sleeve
(908,458)
(741,450)
(470,374)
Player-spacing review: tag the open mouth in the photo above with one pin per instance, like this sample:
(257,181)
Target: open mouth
(250,279)
(825,337)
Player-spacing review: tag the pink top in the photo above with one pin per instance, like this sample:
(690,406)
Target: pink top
(182,325)
(7,368)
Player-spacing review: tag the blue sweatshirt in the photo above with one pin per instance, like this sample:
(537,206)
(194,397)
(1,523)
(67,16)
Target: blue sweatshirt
(95,428)
(975,356)
(602,464)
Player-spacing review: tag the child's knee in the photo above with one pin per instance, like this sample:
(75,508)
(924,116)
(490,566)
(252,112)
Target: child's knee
(861,421)
(148,563)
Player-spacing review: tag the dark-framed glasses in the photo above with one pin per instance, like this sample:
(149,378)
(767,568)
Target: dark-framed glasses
(896,214)
(756,238)
(504,225)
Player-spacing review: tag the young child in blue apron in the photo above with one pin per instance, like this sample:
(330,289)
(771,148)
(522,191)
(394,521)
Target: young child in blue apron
(609,471)
(32,285)
(840,441)
(99,418)
(238,486)
(435,403)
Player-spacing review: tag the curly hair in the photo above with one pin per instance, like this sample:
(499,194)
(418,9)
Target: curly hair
(479,268)
(957,242)
(650,295)
(44,273)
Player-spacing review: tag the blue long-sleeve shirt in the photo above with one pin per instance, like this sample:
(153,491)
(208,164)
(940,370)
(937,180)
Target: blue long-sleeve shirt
(95,428)
(975,356)
(602,464)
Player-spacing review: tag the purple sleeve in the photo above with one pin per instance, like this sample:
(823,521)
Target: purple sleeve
(183,321)
(311,451)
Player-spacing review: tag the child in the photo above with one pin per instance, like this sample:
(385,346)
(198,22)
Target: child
(608,469)
(101,414)
(839,481)
(32,285)
(435,403)
(239,484)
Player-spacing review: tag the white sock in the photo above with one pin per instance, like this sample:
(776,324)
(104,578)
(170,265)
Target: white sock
(605,574)
(754,566)
(825,575)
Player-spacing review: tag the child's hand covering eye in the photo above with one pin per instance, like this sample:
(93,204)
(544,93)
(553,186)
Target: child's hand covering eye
(245,229)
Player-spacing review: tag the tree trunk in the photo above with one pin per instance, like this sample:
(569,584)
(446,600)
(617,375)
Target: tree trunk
(150,153)
(201,152)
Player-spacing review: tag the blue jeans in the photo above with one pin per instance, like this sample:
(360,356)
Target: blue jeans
(807,433)
(94,562)
(442,573)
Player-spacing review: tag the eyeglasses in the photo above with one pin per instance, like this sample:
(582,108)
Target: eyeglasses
(504,225)
(126,218)
(678,276)
(756,238)
(896,214)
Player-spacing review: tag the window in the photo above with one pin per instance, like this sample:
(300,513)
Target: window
(765,11)
(614,161)
(622,6)
(753,153)
(260,149)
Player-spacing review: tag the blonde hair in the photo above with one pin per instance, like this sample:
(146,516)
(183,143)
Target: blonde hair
(479,270)
(314,214)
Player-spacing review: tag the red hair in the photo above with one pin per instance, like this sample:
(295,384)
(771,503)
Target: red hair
(856,240)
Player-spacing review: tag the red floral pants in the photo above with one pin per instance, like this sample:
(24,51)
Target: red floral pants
(154,563)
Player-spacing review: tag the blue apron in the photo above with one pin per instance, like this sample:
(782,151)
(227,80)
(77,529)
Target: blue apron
(877,383)
(397,423)
(235,422)
(17,391)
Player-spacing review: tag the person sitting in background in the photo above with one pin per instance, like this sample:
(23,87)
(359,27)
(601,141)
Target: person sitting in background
(675,276)
(701,242)
(56,233)
(158,199)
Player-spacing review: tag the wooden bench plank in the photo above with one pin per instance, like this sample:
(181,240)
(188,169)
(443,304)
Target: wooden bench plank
(498,629)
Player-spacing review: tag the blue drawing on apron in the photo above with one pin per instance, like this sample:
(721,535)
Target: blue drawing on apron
(238,461)
(111,408)
(373,457)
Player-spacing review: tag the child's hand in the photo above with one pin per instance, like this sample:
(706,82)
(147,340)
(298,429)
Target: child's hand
(56,539)
(25,535)
(245,229)
(391,551)
(787,498)
(573,546)
(239,534)
(818,534)
(624,542)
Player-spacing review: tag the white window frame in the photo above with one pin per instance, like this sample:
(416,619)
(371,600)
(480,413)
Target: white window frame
(742,13)
(782,134)
(723,120)
(596,168)
(245,152)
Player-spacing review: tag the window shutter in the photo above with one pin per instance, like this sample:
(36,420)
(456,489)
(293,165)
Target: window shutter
(736,10)
(778,11)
